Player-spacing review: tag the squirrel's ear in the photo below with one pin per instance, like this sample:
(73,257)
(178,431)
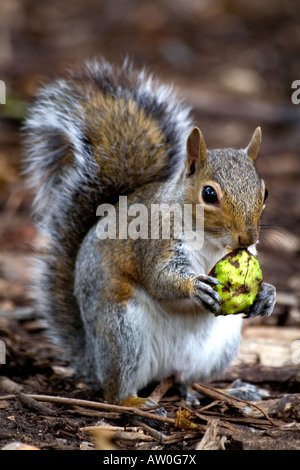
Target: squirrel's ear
(196,151)
(253,147)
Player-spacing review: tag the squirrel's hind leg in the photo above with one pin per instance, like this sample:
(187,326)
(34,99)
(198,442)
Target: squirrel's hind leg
(118,345)
(115,345)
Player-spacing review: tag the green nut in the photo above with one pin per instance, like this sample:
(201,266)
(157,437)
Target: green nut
(240,276)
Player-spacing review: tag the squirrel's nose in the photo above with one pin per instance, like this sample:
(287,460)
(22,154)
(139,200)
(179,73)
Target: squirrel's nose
(246,239)
(243,238)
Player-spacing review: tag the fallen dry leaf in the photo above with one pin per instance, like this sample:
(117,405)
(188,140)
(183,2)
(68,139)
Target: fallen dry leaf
(183,420)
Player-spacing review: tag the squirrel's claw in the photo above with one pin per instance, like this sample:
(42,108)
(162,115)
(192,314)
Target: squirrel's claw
(205,294)
(158,411)
(264,303)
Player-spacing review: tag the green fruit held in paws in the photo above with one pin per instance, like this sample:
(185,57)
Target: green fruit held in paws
(240,276)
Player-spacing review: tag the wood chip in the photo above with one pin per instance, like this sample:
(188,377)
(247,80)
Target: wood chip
(19,446)
(212,440)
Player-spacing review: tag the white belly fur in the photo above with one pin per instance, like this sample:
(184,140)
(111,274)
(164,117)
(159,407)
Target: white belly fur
(181,338)
(187,342)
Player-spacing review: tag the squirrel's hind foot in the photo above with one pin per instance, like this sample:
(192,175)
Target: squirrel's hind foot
(146,404)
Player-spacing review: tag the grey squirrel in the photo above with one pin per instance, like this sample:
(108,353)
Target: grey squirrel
(127,312)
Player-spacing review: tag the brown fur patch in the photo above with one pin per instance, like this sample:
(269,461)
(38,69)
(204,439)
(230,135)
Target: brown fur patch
(133,401)
(124,133)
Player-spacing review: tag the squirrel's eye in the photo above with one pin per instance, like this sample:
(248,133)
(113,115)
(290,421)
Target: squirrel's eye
(209,195)
(266,195)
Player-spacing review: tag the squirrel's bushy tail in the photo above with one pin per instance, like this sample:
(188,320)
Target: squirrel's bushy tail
(99,133)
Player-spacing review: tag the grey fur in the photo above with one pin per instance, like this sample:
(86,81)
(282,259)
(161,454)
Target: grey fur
(67,196)
(163,324)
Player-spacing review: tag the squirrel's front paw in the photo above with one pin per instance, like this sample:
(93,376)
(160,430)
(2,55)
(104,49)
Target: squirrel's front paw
(204,294)
(264,303)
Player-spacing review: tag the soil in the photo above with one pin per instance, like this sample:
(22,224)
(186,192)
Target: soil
(234,63)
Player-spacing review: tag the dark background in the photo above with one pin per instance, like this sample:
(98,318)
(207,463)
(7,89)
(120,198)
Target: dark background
(233,61)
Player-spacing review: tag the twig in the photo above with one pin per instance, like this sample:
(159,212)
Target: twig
(7,397)
(34,405)
(97,405)
(159,436)
(97,414)
(208,416)
(108,427)
(218,395)
(180,437)
(162,389)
